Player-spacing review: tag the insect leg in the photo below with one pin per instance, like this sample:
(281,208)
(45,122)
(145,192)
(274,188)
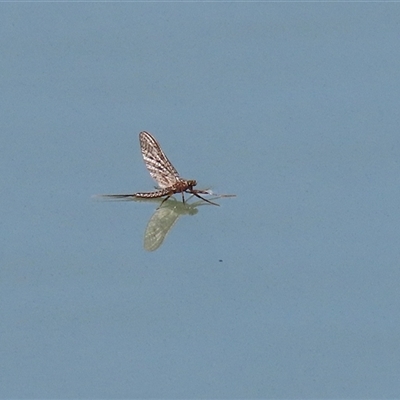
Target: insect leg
(208,201)
(164,201)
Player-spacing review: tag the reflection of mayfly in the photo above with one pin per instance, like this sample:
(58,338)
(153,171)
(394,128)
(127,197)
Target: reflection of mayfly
(164,219)
(163,172)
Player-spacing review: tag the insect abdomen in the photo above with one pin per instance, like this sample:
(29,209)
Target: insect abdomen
(153,195)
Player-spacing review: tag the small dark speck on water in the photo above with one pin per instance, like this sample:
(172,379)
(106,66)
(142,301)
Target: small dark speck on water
(220,260)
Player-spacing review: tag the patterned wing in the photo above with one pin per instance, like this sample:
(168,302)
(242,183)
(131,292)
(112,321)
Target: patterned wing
(160,168)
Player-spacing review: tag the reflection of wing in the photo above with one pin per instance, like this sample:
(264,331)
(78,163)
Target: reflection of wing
(160,168)
(164,219)
(158,227)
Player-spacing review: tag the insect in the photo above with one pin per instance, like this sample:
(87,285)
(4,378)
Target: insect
(163,172)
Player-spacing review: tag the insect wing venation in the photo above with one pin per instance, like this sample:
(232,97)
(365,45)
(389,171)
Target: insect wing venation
(157,163)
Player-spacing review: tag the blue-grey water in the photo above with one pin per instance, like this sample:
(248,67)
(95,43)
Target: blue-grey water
(289,290)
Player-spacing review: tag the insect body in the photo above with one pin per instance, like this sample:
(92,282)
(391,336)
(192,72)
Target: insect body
(163,172)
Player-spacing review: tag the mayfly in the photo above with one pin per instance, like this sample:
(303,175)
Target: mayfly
(163,172)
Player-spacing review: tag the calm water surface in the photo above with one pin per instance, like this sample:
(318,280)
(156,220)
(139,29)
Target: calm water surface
(289,290)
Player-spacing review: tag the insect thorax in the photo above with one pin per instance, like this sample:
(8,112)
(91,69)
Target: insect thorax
(183,185)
